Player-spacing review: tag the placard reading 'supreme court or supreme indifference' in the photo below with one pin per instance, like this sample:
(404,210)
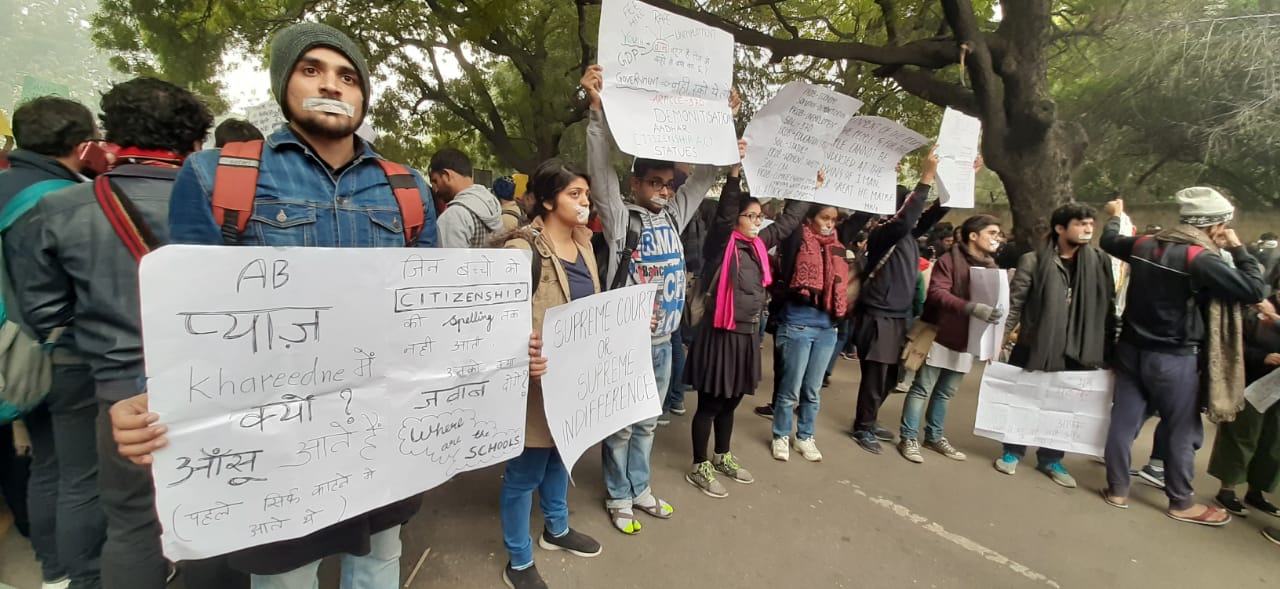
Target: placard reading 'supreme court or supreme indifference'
(305,386)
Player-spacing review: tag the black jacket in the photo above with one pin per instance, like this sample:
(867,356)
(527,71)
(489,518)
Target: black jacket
(893,290)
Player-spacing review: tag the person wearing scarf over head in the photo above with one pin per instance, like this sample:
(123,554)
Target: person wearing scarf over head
(724,360)
(560,244)
(812,283)
(947,306)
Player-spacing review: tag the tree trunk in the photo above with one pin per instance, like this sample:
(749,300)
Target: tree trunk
(1037,177)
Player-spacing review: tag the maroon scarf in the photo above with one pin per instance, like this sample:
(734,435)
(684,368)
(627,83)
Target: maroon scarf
(821,273)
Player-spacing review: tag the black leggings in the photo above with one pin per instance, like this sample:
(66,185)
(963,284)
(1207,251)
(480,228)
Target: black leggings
(717,411)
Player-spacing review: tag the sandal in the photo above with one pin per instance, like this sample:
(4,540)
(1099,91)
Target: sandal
(660,509)
(1204,518)
(624,520)
(1106,496)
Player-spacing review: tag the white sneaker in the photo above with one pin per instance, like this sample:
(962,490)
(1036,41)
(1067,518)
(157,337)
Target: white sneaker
(808,449)
(780,449)
(60,584)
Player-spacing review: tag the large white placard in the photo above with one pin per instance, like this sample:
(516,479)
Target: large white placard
(786,139)
(305,386)
(989,286)
(599,367)
(861,165)
(666,84)
(957,150)
(1069,411)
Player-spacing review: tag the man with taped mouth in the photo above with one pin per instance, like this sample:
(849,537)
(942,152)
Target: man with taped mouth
(311,183)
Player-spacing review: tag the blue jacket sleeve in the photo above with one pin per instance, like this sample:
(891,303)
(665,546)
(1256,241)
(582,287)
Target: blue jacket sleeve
(430,235)
(190,207)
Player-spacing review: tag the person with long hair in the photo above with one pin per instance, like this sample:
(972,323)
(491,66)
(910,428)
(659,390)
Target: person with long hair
(565,270)
(724,361)
(812,285)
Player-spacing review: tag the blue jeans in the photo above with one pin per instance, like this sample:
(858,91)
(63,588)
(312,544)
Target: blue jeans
(806,351)
(541,469)
(679,353)
(380,569)
(843,333)
(934,386)
(626,453)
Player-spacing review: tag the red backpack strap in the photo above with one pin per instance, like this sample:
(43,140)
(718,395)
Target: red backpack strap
(408,197)
(234,187)
(1192,252)
(125,220)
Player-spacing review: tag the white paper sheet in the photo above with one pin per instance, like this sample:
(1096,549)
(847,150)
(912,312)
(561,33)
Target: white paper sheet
(1069,411)
(861,165)
(786,139)
(1264,392)
(989,286)
(304,386)
(599,368)
(666,84)
(957,150)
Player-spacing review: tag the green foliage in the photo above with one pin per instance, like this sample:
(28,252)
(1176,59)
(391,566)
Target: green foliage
(49,40)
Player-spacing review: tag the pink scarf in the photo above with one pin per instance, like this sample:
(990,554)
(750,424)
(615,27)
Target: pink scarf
(724,291)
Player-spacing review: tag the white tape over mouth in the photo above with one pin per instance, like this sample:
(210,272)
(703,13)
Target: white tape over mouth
(584,213)
(329,105)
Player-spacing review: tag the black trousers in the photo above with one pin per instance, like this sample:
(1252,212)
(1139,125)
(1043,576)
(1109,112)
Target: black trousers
(713,413)
(15,471)
(877,378)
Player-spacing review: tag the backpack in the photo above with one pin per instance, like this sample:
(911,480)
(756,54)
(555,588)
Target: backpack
(695,304)
(26,363)
(235,186)
(632,241)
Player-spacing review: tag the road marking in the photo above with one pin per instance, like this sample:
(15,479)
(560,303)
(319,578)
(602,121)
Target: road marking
(936,528)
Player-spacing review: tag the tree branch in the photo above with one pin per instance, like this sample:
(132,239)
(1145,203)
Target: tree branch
(928,87)
(890,20)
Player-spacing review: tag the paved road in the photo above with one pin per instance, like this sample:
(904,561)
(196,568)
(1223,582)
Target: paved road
(853,520)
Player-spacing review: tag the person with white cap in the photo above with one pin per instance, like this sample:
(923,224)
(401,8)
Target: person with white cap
(1187,314)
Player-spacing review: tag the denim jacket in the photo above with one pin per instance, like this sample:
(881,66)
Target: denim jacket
(300,201)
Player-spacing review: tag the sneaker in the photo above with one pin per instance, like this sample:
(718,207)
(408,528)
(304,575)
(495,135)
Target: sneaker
(1229,502)
(943,447)
(781,451)
(1008,464)
(882,434)
(62,583)
(1059,474)
(677,408)
(664,419)
(765,411)
(1271,534)
(808,449)
(867,441)
(573,542)
(727,465)
(826,381)
(909,448)
(1152,476)
(1259,502)
(523,579)
(703,476)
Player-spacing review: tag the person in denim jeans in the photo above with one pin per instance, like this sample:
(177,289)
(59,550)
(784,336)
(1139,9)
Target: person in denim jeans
(947,306)
(318,186)
(661,212)
(813,281)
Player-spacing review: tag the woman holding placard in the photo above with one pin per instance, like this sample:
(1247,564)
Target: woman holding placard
(564,270)
(724,361)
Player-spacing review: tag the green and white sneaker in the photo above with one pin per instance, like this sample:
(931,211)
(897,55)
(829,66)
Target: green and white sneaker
(703,476)
(727,465)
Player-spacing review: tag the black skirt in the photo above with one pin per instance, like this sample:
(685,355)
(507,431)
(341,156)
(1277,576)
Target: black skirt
(724,363)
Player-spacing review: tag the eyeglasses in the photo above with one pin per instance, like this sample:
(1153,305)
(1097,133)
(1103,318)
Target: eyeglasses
(656,184)
(753,217)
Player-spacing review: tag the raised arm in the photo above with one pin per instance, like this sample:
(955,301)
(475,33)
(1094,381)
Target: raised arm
(1113,242)
(606,192)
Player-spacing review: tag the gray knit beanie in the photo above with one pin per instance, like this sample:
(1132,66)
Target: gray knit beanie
(290,44)
(1199,206)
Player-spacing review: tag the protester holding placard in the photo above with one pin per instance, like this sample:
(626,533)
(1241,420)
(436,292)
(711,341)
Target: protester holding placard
(949,309)
(812,283)
(644,247)
(888,290)
(724,361)
(1062,304)
(560,243)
